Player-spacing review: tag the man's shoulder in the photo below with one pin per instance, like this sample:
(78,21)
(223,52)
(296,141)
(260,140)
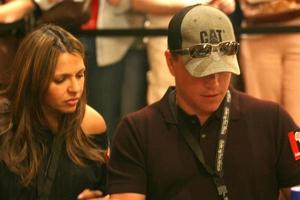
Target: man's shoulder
(158,114)
(260,114)
(161,108)
(257,109)
(250,102)
(150,111)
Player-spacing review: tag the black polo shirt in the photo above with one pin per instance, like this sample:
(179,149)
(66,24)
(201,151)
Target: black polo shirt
(150,156)
(207,134)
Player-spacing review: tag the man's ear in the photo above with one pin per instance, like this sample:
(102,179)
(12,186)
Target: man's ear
(170,61)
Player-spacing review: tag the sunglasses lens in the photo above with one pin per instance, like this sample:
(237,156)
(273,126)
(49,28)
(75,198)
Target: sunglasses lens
(229,48)
(205,49)
(200,51)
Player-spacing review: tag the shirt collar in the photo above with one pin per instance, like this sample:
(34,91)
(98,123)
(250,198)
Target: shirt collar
(168,106)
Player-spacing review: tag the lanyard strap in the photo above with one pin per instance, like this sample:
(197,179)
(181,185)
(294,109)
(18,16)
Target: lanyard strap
(223,135)
(216,174)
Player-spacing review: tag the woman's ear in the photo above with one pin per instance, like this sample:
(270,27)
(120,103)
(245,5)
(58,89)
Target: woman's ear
(170,61)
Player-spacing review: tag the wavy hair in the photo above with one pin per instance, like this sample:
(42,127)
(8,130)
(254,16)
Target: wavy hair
(34,67)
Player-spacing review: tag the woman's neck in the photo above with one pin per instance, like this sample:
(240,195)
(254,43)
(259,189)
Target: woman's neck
(52,120)
(52,124)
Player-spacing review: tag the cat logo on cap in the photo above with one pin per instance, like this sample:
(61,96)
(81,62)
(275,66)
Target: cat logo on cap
(294,137)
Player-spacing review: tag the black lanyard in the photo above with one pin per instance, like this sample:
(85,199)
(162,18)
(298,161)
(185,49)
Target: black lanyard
(216,174)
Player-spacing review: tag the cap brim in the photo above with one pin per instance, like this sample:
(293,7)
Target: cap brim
(199,67)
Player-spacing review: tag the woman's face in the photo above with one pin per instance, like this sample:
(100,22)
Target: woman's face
(67,85)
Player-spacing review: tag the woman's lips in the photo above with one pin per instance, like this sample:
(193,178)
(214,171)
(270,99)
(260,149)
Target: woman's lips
(72,102)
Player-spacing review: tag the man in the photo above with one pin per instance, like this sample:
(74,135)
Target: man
(117,82)
(203,139)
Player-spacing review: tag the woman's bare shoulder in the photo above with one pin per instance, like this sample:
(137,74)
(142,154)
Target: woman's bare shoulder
(93,122)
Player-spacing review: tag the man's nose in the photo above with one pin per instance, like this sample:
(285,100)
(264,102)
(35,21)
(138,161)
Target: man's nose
(212,79)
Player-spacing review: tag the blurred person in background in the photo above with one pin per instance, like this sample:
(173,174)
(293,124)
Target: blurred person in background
(270,61)
(17,17)
(116,78)
(11,11)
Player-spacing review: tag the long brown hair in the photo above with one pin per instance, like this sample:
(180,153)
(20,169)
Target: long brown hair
(34,67)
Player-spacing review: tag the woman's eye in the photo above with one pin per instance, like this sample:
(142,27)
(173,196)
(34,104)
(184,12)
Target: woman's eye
(59,80)
(80,75)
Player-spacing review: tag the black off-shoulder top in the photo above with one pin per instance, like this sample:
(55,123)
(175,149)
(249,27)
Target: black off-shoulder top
(70,179)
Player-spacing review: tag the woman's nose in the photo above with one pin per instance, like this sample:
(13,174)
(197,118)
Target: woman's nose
(74,85)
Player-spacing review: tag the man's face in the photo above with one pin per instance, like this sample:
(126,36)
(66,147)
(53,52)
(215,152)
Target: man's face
(198,95)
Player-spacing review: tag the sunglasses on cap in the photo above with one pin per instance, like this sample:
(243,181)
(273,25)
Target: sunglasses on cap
(204,49)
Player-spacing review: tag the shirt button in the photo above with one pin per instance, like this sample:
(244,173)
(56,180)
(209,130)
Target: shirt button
(203,136)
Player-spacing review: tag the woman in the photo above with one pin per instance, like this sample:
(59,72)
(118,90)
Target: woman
(53,145)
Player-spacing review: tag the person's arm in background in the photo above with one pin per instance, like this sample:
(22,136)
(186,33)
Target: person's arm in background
(15,10)
(160,7)
(163,7)
(227,6)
